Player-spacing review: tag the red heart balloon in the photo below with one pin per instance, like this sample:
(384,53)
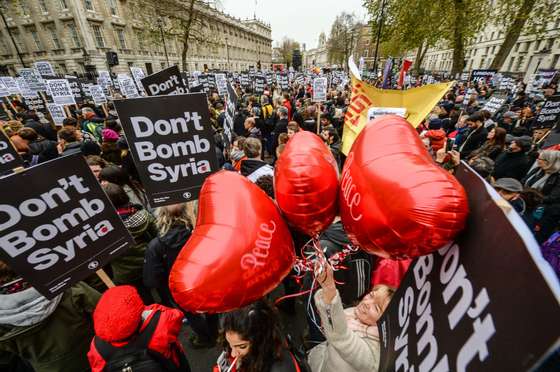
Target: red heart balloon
(239,251)
(395,201)
(306,183)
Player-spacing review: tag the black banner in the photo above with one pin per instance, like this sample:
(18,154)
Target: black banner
(550,113)
(164,82)
(487,302)
(9,157)
(495,103)
(57,226)
(231,107)
(76,89)
(260,82)
(482,75)
(172,143)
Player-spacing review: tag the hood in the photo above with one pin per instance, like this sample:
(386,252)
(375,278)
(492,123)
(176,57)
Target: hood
(138,222)
(336,234)
(248,166)
(26,308)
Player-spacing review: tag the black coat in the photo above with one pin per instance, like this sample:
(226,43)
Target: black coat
(473,141)
(511,165)
(41,151)
(160,255)
(551,188)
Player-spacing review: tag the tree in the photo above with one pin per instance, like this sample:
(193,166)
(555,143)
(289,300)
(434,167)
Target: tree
(186,20)
(530,16)
(419,24)
(286,49)
(343,38)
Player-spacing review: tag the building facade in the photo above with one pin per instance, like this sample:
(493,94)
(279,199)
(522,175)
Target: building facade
(75,35)
(365,47)
(317,57)
(529,54)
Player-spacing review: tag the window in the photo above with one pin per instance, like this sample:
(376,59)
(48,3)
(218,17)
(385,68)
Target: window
(113,7)
(140,37)
(555,61)
(88,4)
(98,35)
(549,44)
(516,47)
(482,62)
(43,6)
(493,49)
(121,38)
(73,31)
(54,37)
(36,39)
(4,50)
(62,4)
(510,65)
(520,63)
(23,7)
(62,68)
(163,65)
(19,41)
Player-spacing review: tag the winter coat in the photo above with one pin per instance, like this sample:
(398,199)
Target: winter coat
(473,141)
(551,188)
(488,150)
(41,151)
(128,267)
(280,127)
(52,335)
(160,256)
(45,130)
(345,350)
(254,169)
(437,139)
(511,165)
(164,341)
(72,148)
(359,265)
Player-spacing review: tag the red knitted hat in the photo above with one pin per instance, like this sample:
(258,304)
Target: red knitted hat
(118,313)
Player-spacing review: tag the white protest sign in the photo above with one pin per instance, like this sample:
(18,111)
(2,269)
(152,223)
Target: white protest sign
(4,92)
(57,113)
(61,92)
(32,79)
(11,84)
(221,83)
(98,95)
(375,112)
(128,88)
(24,89)
(44,68)
(138,75)
(320,89)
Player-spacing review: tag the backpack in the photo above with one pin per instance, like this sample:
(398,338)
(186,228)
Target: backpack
(95,129)
(134,356)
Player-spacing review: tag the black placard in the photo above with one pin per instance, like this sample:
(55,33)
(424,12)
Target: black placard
(9,157)
(57,226)
(549,115)
(231,107)
(495,103)
(260,82)
(482,75)
(164,82)
(487,302)
(76,89)
(172,143)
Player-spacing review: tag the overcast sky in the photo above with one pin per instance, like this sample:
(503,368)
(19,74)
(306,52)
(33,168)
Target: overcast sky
(302,20)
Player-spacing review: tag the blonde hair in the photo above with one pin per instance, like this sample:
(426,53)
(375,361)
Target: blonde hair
(170,215)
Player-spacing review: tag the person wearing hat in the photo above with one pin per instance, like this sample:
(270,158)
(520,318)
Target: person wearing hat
(510,189)
(508,121)
(514,162)
(121,317)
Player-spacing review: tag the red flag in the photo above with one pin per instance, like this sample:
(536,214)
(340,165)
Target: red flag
(406,64)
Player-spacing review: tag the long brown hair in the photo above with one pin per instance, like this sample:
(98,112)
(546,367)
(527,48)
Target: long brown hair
(499,137)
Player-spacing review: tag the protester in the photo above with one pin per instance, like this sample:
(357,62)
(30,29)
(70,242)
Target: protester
(251,130)
(253,342)
(134,190)
(96,164)
(51,335)
(254,167)
(352,339)
(237,155)
(34,148)
(513,163)
(130,335)
(476,137)
(510,189)
(494,146)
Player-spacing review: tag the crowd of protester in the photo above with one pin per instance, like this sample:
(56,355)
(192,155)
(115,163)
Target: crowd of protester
(91,327)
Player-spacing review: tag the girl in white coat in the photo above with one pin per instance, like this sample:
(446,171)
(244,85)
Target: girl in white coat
(352,343)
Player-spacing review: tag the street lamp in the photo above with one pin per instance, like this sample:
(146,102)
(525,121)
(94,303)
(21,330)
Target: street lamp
(160,25)
(227,51)
(378,35)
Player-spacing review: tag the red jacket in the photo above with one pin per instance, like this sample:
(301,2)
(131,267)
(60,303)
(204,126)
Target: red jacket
(165,339)
(288,105)
(437,138)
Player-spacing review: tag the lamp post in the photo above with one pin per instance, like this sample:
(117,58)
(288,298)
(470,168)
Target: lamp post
(160,25)
(227,52)
(12,37)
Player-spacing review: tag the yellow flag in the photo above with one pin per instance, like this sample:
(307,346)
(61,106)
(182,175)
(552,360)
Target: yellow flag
(418,103)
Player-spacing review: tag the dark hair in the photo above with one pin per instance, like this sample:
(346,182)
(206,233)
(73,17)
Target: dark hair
(477,116)
(117,175)
(68,134)
(116,195)
(96,160)
(28,134)
(266,183)
(259,324)
(499,137)
(70,122)
(113,124)
(293,126)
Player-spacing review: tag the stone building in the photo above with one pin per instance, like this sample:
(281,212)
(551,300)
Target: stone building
(75,35)
(365,46)
(317,57)
(529,54)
